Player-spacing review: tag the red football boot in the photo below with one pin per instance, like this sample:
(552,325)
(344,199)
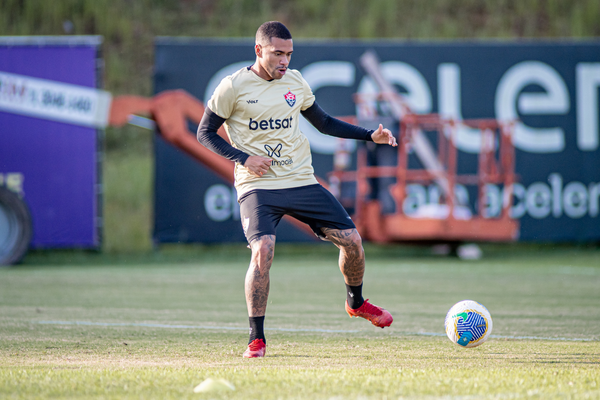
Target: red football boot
(256,348)
(378,316)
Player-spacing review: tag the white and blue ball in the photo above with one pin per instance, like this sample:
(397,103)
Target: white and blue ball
(468,323)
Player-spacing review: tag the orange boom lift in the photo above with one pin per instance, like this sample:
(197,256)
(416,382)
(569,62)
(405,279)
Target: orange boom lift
(442,221)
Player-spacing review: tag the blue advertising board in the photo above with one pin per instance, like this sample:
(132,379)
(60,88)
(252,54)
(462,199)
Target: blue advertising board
(550,88)
(52,164)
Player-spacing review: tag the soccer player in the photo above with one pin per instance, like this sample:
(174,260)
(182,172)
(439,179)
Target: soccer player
(260,106)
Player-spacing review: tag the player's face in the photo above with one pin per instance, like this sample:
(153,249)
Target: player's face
(275,57)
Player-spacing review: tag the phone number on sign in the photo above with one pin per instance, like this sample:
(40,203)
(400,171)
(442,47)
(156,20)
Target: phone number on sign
(19,92)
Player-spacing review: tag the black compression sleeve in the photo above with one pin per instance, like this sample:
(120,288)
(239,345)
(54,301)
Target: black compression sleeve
(207,135)
(333,126)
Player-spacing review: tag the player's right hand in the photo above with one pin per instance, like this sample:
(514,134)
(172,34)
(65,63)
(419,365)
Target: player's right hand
(258,165)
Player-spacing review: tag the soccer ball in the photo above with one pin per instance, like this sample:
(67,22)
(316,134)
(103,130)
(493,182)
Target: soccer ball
(468,323)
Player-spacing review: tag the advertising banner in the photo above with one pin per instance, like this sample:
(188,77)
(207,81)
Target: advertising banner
(550,90)
(50,110)
(53,100)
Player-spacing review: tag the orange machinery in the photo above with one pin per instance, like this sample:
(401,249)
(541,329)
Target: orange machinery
(496,166)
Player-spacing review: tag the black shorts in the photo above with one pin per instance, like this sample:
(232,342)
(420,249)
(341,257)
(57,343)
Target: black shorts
(262,209)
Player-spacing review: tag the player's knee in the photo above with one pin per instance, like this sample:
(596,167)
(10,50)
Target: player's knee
(356,237)
(263,249)
(354,241)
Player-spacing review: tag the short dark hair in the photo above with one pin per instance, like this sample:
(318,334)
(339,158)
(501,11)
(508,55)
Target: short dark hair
(272,29)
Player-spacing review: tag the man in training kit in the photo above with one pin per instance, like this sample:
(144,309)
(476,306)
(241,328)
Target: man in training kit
(260,106)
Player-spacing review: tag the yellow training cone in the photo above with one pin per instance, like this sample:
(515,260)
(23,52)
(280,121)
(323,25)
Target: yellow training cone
(214,385)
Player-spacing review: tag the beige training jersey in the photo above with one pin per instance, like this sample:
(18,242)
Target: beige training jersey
(262,119)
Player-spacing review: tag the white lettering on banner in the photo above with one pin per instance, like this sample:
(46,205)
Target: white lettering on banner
(322,74)
(539,200)
(519,208)
(594,198)
(42,98)
(492,201)
(220,203)
(575,199)
(467,139)
(588,83)
(510,100)
(418,93)
(556,184)
(555,100)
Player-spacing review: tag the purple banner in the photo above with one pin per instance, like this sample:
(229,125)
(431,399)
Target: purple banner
(53,165)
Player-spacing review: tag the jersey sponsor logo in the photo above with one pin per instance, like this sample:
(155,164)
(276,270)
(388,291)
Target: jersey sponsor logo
(273,151)
(277,153)
(270,124)
(290,98)
(289,161)
(251,101)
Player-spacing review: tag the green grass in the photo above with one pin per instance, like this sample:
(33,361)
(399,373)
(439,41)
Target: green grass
(128,179)
(551,294)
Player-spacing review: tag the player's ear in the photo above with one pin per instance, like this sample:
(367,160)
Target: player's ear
(258,50)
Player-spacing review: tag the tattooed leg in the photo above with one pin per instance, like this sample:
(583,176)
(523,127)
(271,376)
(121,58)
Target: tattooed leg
(352,255)
(257,277)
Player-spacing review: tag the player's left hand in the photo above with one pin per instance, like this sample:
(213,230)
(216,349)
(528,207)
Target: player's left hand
(384,136)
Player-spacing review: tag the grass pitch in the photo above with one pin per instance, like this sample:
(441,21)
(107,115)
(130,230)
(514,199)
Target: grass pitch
(154,327)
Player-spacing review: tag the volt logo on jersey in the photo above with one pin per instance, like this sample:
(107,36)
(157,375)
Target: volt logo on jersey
(290,98)
(273,151)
